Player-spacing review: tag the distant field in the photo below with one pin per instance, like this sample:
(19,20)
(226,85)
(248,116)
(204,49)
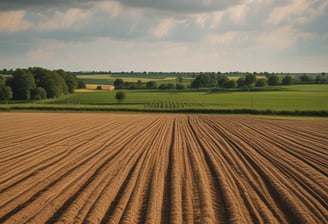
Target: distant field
(110,78)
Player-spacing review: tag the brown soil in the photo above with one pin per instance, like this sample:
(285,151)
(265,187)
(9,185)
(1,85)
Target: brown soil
(155,168)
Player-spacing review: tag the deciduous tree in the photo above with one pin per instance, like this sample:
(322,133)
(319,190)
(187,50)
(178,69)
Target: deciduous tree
(120,96)
(21,84)
(273,80)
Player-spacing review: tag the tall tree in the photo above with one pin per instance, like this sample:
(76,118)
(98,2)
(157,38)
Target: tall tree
(273,80)
(21,84)
(203,80)
(260,83)
(118,83)
(222,80)
(5,91)
(241,82)
(70,80)
(53,83)
(250,79)
(151,85)
(38,93)
(288,80)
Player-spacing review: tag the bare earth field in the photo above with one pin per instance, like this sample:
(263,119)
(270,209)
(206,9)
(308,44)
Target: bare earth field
(162,168)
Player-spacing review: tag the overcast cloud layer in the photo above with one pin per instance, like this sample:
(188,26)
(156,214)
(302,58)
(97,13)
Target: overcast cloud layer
(170,35)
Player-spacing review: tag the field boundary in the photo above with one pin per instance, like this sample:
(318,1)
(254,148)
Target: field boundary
(61,107)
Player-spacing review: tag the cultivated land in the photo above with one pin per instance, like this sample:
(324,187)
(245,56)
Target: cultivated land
(162,168)
(310,100)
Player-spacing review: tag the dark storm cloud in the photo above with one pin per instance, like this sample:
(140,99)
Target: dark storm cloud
(41,4)
(191,6)
(183,6)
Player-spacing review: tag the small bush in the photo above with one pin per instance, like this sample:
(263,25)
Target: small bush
(288,80)
(229,84)
(180,86)
(5,93)
(132,87)
(120,96)
(260,83)
(38,93)
(273,80)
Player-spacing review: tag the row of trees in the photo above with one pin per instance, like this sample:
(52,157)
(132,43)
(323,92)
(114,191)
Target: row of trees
(149,74)
(38,83)
(212,80)
(250,80)
(120,84)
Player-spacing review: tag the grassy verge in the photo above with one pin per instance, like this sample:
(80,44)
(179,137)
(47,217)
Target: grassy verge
(133,108)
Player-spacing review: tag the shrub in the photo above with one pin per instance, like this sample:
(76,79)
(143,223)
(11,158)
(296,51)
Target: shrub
(230,84)
(151,85)
(273,80)
(118,83)
(260,83)
(162,86)
(80,84)
(120,96)
(250,79)
(5,93)
(170,86)
(288,80)
(38,93)
(133,86)
(241,82)
(305,78)
(222,80)
(180,86)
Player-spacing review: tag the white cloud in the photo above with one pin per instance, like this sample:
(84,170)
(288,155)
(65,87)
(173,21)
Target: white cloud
(237,13)
(298,11)
(226,38)
(12,21)
(64,20)
(201,19)
(278,39)
(39,55)
(283,38)
(163,29)
(113,7)
(216,19)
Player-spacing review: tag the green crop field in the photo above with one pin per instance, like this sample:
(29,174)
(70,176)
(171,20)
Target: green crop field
(294,99)
(298,97)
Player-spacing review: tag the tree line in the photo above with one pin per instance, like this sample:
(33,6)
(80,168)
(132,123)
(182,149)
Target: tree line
(121,84)
(212,80)
(37,83)
(250,80)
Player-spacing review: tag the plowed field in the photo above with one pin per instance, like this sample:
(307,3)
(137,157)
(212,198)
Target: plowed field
(162,168)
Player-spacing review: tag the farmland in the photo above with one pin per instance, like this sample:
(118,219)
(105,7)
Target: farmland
(109,79)
(309,100)
(162,168)
(300,97)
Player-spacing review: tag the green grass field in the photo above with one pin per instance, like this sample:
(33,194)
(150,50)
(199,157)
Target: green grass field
(289,100)
(297,97)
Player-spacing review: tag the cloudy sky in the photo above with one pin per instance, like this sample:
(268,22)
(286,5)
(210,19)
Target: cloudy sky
(165,35)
